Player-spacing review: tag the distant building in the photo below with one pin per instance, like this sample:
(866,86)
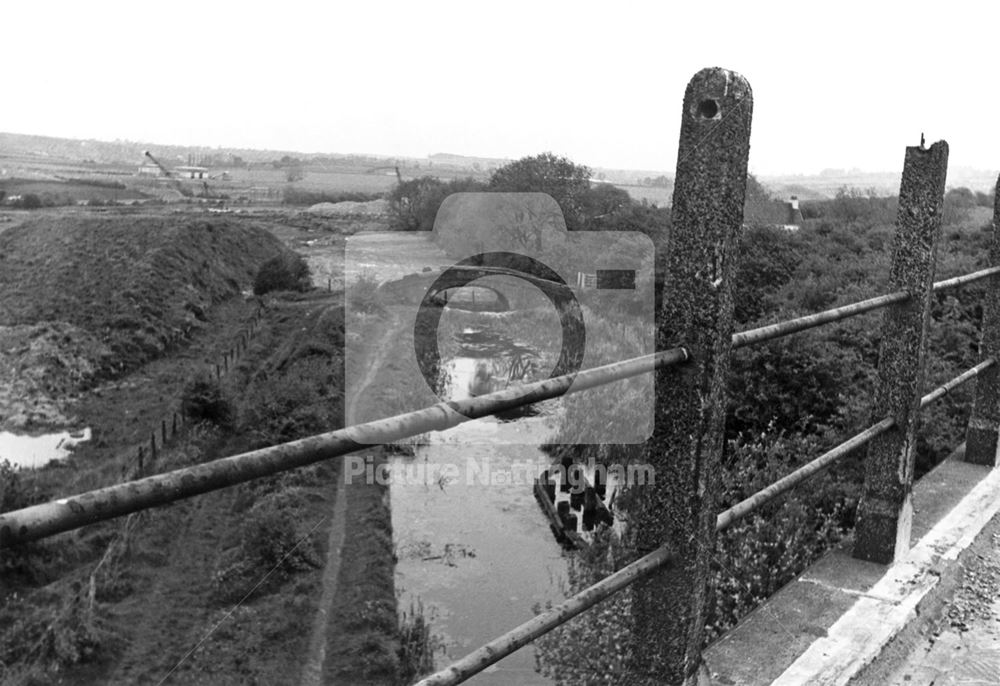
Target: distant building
(150,170)
(781,213)
(191,172)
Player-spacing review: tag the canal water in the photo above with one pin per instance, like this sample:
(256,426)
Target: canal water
(474,548)
(473,544)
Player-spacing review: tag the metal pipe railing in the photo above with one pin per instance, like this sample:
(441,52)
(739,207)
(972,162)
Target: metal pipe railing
(64,514)
(516,638)
(811,321)
(786,483)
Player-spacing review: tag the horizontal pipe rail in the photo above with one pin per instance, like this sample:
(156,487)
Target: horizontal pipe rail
(64,514)
(965,279)
(517,638)
(811,321)
(786,483)
(496,650)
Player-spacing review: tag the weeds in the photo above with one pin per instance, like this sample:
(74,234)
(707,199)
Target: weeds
(417,645)
(204,401)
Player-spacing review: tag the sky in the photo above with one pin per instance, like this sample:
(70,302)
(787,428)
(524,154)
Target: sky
(836,84)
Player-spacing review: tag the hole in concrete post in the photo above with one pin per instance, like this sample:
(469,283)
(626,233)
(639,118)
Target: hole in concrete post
(708,108)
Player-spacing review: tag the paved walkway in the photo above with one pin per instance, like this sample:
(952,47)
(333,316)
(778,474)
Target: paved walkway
(962,648)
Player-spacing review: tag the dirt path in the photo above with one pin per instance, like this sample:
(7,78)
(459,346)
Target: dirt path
(312,673)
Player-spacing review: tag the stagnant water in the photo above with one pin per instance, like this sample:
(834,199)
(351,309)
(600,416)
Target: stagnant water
(474,548)
(29,452)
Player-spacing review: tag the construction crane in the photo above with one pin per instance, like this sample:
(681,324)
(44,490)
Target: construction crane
(169,174)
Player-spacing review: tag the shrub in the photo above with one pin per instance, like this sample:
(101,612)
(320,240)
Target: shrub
(297,196)
(413,204)
(364,294)
(283,273)
(28,201)
(271,546)
(204,401)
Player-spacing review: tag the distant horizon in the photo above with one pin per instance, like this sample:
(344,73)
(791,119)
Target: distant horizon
(825,171)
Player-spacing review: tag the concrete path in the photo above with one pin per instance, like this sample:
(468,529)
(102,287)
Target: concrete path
(962,648)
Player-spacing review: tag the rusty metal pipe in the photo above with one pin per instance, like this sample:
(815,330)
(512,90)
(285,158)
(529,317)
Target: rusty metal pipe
(781,486)
(517,638)
(781,329)
(64,514)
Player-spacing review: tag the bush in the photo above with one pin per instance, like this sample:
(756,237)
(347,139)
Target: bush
(204,401)
(271,546)
(364,294)
(28,201)
(283,273)
(413,204)
(296,196)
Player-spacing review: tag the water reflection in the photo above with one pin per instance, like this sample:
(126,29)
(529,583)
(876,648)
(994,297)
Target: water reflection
(475,548)
(487,361)
(30,452)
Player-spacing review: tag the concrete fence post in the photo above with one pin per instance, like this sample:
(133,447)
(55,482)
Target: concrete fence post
(679,508)
(984,421)
(152,447)
(173,424)
(163,430)
(886,508)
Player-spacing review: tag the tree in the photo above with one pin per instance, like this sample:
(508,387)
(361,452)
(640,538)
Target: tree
(566,182)
(413,204)
(282,273)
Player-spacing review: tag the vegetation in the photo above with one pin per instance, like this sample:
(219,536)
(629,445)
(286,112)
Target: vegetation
(364,294)
(204,401)
(285,272)
(792,399)
(298,196)
(414,204)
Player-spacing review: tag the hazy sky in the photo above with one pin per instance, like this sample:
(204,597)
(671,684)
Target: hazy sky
(836,84)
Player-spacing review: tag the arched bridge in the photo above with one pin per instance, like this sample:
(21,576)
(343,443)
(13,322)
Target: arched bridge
(413,287)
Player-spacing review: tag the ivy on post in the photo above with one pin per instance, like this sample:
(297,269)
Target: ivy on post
(984,421)
(679,508)
(886,508)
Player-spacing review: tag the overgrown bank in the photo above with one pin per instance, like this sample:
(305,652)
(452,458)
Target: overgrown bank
(212,589)
(83,299)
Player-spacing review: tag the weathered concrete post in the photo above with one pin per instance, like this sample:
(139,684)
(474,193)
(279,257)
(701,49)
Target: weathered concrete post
(984,421)
(679,509)
(886,509)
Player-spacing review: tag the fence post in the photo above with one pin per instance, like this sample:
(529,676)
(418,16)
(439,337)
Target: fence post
(173,425)
(152,448)
(886,508)
(678,508)
(984,421)
(139,460)
(163,431)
